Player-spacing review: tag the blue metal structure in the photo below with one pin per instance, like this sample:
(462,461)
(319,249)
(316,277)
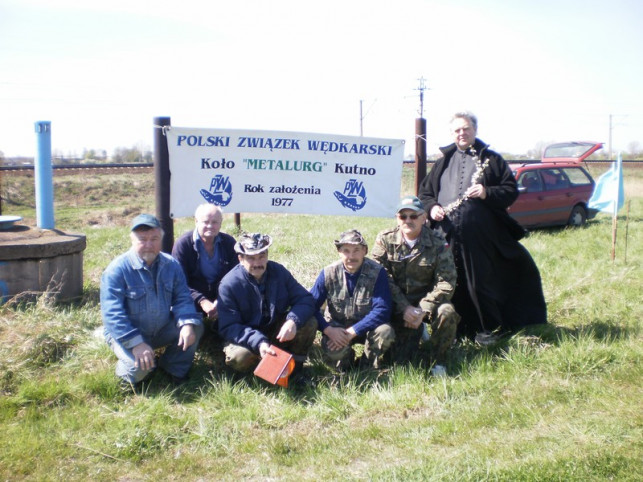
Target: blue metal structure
(44,177)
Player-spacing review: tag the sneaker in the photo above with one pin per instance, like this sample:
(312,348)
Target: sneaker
(439,371)
(486,338)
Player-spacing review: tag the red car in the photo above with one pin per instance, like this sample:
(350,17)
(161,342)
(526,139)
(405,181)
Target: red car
(555,191)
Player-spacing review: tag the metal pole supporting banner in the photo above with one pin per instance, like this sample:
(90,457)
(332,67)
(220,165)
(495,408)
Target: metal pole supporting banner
(420,152)
(44,177)
(162,182)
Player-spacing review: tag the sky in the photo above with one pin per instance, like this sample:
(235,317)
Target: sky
(533,71)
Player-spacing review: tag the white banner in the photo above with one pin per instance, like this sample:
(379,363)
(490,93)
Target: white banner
(283,172)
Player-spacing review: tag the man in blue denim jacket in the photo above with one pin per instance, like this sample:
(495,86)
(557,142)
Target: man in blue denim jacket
(146,304)
(261,303)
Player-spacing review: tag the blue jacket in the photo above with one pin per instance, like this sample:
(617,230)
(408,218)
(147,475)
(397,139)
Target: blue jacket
(240,304)
(135,306)
(186,252)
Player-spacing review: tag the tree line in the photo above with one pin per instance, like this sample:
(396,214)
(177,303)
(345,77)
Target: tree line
(137,154)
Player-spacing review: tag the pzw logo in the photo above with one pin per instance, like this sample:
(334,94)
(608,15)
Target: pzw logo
(354,195)
(220,192)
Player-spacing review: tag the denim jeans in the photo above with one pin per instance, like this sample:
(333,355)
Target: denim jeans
(174,360)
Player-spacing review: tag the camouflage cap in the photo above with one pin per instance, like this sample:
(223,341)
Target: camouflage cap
(352,236)
(410,202)
(253,243)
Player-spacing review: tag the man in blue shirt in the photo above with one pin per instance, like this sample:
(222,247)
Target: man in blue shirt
(358,305)
(146,304)
(260,304)
(206,255)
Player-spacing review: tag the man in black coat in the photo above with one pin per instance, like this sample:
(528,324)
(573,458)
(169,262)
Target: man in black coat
(466,195)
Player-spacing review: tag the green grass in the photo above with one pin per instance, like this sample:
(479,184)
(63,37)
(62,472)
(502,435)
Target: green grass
(561,402)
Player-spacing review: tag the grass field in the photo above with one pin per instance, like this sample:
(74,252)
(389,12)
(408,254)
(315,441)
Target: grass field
(561,402)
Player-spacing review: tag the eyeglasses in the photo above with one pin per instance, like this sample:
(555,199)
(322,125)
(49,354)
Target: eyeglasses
(412,216)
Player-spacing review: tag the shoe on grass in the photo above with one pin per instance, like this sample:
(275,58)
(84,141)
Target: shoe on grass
(439,371)
(486,338)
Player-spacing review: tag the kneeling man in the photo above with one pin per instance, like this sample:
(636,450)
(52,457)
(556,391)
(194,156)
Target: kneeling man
(261,303)
(422,278)
(358,305)
(146,304)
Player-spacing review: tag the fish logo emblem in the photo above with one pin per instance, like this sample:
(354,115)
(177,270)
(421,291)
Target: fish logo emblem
(220,192)
(354,195)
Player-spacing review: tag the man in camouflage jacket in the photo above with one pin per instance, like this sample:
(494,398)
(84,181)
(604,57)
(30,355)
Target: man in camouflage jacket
(422,277)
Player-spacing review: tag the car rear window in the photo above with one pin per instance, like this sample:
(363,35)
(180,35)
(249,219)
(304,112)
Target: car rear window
(554,179)
(577,177)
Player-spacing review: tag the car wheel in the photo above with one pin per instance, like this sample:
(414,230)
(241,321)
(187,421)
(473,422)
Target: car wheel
(578,216)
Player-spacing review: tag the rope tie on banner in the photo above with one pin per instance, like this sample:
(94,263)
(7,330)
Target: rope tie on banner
(163,128)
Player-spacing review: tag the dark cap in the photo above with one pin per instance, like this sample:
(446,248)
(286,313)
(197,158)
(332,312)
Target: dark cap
(253,243)
(352,236)
(145,220)
(410,202)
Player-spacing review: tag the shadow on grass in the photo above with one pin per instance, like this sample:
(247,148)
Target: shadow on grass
(466,351)
(210,371)
(597,329)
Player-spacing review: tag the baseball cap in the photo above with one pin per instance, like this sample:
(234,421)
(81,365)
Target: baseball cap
(145,220)
(410,202)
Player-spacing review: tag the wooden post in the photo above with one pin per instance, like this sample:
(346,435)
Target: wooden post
(420,152)
(627,224)
(162,182)
(614,225)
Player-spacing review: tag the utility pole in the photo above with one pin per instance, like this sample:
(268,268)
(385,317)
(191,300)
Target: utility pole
(422,88)
(362,116)
(420,140)
(609,145)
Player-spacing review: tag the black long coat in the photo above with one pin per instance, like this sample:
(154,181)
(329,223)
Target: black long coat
(499,285)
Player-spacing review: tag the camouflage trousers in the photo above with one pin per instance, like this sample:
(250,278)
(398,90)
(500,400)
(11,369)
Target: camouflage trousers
(443,323)
(376,343)
(242,359)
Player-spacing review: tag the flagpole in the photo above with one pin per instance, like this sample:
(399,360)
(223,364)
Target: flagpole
(627,224)
(614,224)
(608,196)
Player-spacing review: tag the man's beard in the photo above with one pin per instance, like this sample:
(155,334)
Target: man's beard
(149,257)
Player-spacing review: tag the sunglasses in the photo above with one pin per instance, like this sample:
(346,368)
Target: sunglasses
(412,216)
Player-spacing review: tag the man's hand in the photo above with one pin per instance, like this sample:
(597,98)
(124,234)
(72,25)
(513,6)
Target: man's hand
(413,316)
(338,338)
(477,190)
(209,308)
(187,337)
(437,213)
(143,356)
(287,332)
(264,349)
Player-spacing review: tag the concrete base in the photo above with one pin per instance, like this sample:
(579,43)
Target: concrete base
(34,261)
